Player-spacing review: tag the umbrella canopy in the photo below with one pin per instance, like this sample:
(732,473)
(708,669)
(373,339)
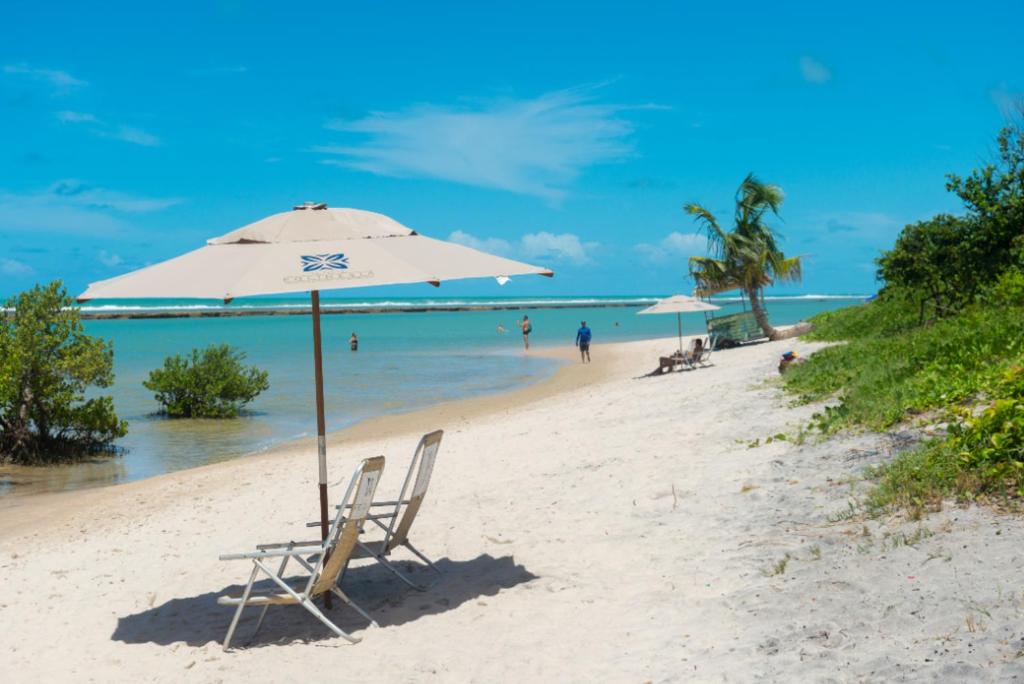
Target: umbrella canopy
(311,248)
(679,304)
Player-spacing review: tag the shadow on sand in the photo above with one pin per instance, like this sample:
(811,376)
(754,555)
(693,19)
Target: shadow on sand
(198,620)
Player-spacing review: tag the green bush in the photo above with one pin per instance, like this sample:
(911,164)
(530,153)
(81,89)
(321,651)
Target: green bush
(210,383)
(1008,290)
(881,379)
(47,363)
(945,336)
(890,314)
(983,456)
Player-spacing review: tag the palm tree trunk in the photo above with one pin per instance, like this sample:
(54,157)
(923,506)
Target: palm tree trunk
(760,315)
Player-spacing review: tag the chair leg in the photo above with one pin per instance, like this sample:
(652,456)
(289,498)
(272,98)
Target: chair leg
(306,603)
(422,557)
(263,613)
(259,623)
(397,573)
(241,606)
(311,607)
(353,605)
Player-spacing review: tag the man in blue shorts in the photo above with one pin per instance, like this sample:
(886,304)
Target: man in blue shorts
(583,342)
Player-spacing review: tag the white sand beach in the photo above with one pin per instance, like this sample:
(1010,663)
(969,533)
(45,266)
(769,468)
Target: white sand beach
(595,527)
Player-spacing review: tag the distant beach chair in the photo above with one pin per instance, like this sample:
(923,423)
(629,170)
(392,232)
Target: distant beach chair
(696,355)
(324,561)
(403,513)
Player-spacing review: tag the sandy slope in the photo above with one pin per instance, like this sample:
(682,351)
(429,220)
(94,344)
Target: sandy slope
(596,528)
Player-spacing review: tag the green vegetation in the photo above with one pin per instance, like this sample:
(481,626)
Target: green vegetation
(888,371)
(943,341)
(747,257)
(47,363)
(210,383)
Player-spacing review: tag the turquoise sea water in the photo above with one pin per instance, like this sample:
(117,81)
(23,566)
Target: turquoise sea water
(405,361)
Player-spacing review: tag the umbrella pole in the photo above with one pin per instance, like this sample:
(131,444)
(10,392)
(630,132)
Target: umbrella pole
(679,320)
(321,427)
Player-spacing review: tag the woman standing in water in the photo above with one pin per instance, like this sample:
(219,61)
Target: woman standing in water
(353,342)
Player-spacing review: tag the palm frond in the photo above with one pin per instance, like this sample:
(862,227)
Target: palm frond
(709,226)
(748,256)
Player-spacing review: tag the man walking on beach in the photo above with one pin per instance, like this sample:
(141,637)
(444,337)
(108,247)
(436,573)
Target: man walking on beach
(583,342)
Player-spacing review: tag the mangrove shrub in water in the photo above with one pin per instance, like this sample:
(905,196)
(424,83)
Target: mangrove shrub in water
(209,383)
(47,363)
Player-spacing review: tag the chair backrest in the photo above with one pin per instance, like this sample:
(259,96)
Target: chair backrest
(423,465)
(345,530)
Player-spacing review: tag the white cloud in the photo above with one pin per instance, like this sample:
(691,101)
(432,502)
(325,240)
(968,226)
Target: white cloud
(76,117)
(96,126)
(814,71)
(14,268)
(565,247)
(492,245)
(673,247)
(71,207)
(109,259)
(56,78)
(136,136)
(535,147)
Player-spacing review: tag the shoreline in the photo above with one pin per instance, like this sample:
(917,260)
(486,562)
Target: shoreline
(29,511)
(328,308)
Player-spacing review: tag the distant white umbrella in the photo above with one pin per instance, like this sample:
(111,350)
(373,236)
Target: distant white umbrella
(679,304)
(309,249)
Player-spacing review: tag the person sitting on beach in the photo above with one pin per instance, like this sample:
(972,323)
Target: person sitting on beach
(697,351)
(583,342)
(666,364)
(353,342)
(787,360)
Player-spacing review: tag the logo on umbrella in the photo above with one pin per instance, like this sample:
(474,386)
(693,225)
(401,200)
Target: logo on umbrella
(324,262)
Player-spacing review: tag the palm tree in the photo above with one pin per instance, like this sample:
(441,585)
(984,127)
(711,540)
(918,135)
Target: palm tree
(747,257)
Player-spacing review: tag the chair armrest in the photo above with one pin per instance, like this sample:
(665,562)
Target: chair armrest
(288,545)
(273,553)
(381,503)
(380,516)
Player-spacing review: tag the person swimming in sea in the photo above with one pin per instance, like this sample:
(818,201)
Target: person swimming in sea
(353,342)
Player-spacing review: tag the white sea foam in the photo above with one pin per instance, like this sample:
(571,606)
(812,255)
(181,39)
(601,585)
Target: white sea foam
(278,305)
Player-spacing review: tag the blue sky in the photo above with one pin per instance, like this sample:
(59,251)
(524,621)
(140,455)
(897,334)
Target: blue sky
(564,134)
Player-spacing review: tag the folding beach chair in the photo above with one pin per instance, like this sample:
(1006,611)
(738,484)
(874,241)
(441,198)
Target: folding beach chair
(704,356)
(396,535)
(324,561)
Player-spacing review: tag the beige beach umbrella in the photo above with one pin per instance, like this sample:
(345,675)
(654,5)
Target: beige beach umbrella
(678,304)
(311,248)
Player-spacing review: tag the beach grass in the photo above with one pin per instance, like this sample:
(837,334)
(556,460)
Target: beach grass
(961,375)
(889,370)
